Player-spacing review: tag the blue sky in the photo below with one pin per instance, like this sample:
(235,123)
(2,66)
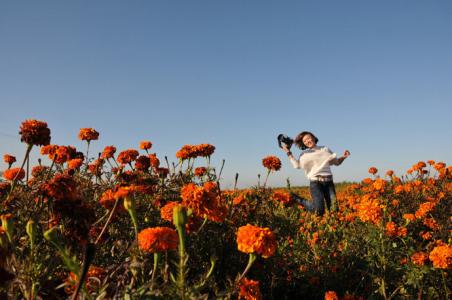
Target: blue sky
(372,77)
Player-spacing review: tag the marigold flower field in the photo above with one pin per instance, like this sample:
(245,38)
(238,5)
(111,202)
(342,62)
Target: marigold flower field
(131,224)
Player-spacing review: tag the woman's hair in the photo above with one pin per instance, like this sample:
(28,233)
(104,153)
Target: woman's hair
(299,139)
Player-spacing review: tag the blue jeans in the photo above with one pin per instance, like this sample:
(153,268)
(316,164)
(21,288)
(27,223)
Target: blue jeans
(323,196)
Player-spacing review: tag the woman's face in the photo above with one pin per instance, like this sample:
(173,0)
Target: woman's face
(309,141)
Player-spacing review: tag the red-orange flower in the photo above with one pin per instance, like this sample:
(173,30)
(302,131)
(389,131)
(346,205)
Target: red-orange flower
(419,258)
(14,173)
(157,239)
(272,163)
(249,289)
(424,209)
(142,163)
(93,280)
(155,162)
(127,156)
(88,134)
(373,170)
(166,212)
(60,187)
(205,201)
(282,197)
(75,163)
(145,145)
(254,239)
(109,152)
(331,295)
(200,171)
(441,256)
(34,132)
(38,171)
(9,159)
(390,173)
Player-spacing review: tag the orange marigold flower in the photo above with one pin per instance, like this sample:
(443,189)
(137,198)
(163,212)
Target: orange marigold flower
(75,163)
(38,171)
(431,223)
(373,170)
(155,162)
(96,167)
(48,149)
(204,200)
(367,180)
(145,145)
(127,156)
(166,212)
(88,134)
(391,229)
(402,232)
(272,163)
(439,166)
(142,163)
(426,235)
(282,197)
(14,174)
(94,277)
(200,171)
(369,210)
(9,159)
(441,256)
(109,152)
(249,289)
(421,165)
(254,239)
(409,217)
(157,239)
(419,258)
(60,187)
(424,209)
(390,173)
(34,132)
(431,162)
(204,150)
(331,295)
(379,184)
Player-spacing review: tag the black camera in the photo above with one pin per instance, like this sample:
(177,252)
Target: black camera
(284,139)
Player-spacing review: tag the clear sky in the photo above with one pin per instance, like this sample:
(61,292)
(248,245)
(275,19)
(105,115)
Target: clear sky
(374,77)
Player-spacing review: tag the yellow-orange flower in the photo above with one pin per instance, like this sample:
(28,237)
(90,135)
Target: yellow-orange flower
(249,289)
(88,134)
(157,239)
(331,295)
(145,145)
(272,163)
(369,210)
(419,258)
(391,229)
(254,239)
(34,132)
(14,173)
(155,162)
(441,256)
(409,217)
(9,159)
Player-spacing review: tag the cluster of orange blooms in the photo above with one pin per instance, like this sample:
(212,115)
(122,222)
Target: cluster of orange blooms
(34,132)
(194,151)
(14,174)
(272,163)
(205,201)
(255,239)
(88,134)
(249,289)
(157,239)
(282,197)
(94,277)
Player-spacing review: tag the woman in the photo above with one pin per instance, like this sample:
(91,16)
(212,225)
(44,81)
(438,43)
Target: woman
(316,161)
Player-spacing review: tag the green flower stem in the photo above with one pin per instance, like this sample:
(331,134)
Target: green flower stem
(266,178)
(13,184)
(251,260)
(154,270)
(181,273)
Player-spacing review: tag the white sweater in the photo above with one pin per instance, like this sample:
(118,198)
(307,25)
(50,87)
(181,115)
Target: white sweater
(315,161)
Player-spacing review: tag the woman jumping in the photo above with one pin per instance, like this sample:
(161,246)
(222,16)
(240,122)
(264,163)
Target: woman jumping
(316,162)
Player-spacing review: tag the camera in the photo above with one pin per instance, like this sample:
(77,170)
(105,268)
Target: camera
(284,139)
